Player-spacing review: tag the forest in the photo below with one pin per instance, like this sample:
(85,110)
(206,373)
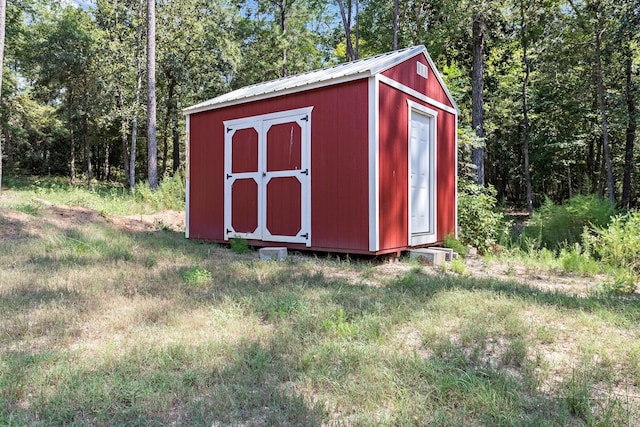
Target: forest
(548,89)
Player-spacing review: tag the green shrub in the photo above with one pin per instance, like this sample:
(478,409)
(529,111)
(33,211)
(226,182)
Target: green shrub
(480,225)
(622,284)
(618,244)
(240,245)
(455,244)
(556,226)
(458,267)
(575,261)
(197,276)
(169,195)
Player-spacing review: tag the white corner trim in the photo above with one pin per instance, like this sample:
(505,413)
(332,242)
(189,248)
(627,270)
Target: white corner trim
(188,177)
(421,96)
(374,164)
(456,182)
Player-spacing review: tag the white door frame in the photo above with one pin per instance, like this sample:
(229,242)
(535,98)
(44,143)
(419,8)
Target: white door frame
(422,238)
(262,124)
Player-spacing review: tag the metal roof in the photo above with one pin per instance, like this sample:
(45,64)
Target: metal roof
(335,74)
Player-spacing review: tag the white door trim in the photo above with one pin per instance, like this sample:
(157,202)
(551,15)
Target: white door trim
(422,238)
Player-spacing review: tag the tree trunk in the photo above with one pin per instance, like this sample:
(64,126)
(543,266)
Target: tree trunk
(591,165)
(8,151)
(136,104)
(0,168)
(357,48)
(569,180)
(283,31)
(87,148)
(346,24)
(176,141)
(525,108)
(396,18)
(123,133)
(152,145)
(3,14)
(106,173)
(631,132)
(477,87)
(72,155)
(171,83)
(603,112)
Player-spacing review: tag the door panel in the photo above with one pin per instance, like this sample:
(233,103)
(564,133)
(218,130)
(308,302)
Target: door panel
(244,206)
(245,149)
(284,147)
(284,205)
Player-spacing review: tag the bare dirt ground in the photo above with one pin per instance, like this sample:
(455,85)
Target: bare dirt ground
(18,225)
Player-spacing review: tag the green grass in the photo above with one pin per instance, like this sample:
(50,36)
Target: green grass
(104,327)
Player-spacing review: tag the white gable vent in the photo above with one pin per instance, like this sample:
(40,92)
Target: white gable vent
(422,70)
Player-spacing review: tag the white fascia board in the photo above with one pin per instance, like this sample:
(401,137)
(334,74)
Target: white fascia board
(439,77)
(209,105)
(398,59)
(419,95)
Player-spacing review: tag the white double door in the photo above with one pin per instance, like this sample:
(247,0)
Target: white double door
(268,177)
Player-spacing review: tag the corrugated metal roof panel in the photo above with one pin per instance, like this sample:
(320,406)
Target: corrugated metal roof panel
(317,78)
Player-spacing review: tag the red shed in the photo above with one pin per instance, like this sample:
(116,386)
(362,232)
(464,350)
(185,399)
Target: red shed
(358,158)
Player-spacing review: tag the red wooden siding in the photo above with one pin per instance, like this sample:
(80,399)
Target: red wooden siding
(393,155)
(406,74)
(339,164)
(206,177)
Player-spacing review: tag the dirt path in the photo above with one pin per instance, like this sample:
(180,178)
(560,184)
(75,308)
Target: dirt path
(15,224)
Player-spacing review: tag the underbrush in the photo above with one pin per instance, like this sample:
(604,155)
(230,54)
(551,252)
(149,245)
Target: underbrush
(556,226)
(582,236)
(109,198)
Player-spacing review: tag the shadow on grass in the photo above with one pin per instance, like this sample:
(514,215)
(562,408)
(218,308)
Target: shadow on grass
(625,307)
(159,387)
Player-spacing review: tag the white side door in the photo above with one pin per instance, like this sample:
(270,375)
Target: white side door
(422,175)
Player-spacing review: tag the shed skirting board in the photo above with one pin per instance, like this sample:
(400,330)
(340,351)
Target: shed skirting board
(374,164)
